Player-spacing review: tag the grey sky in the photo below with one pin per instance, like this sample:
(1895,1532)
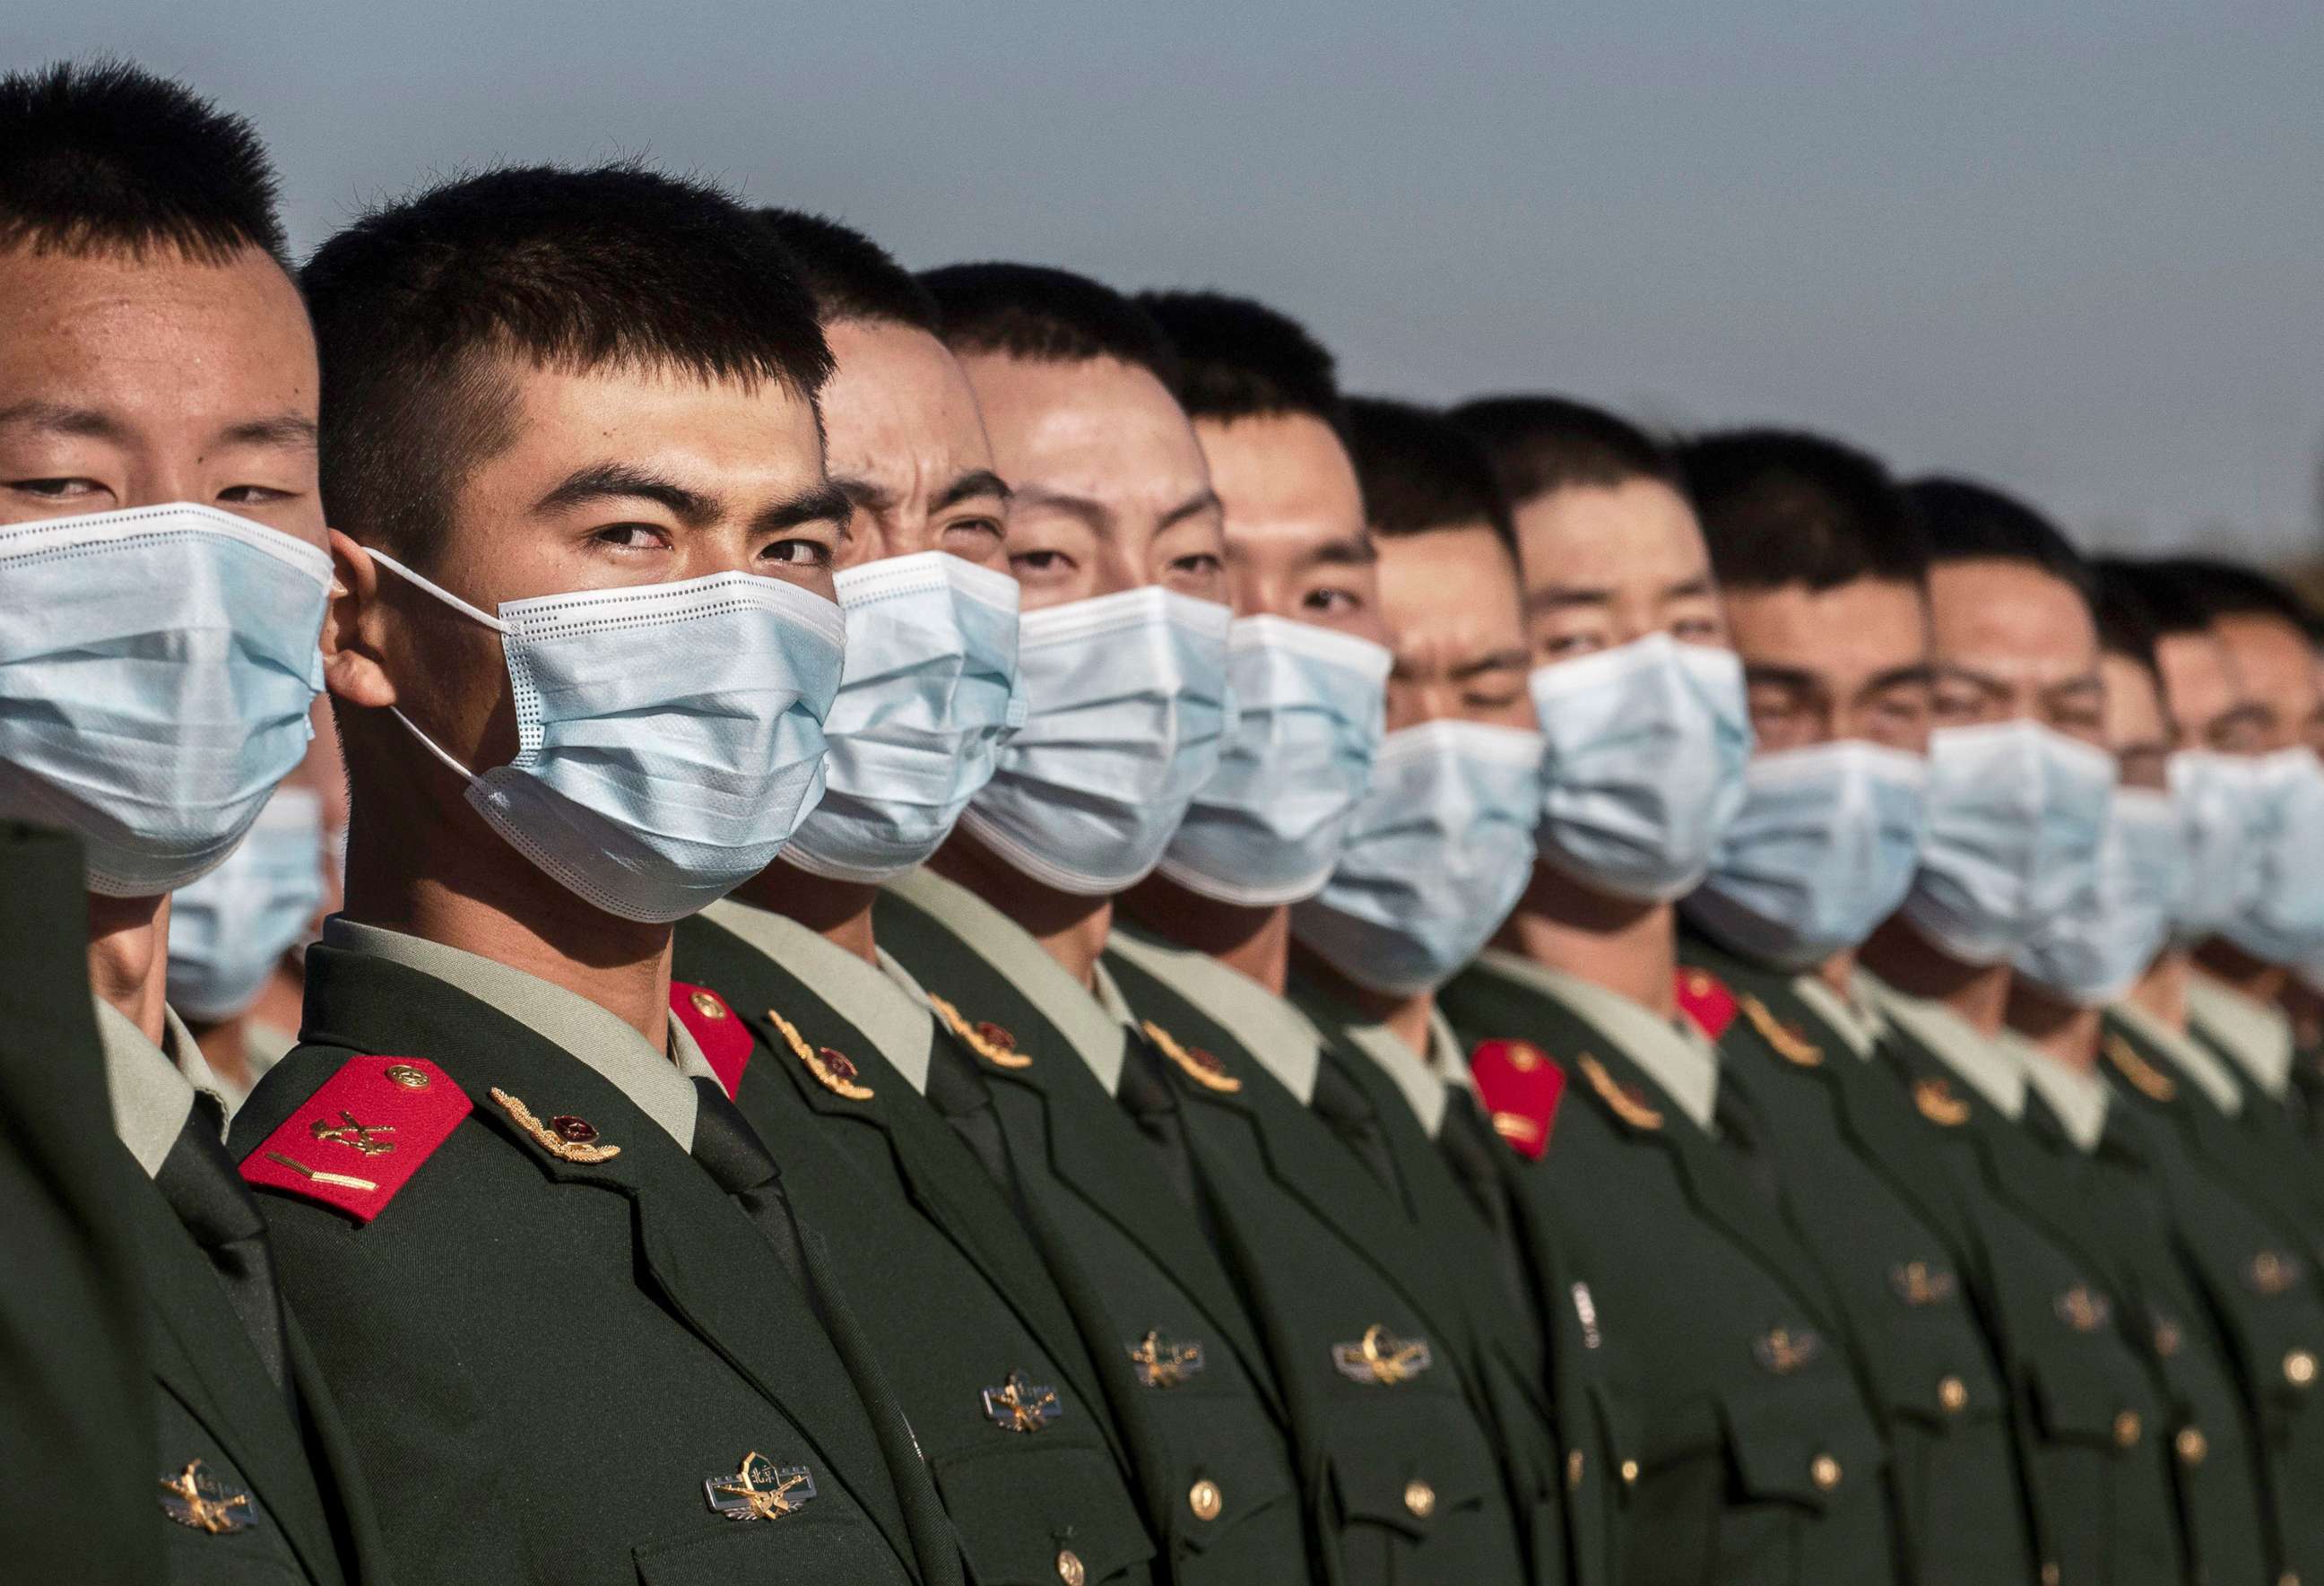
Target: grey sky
(2070,246)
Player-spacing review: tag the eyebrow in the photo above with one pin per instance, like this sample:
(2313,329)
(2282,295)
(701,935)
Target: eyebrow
(621,482)
(976,483)
(1500,661)
(290,430)
(1687,588)
(823,504)
(1349,551)
(1558,597)
(1918,675)
(2076,686)
(1206,500)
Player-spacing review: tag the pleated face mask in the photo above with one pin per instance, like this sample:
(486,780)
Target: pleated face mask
(670,737)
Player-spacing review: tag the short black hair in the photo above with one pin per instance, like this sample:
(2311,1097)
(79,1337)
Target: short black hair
(2127,624)
(1241,359)
(574,270)
(1420,471)
(108,158)
(1966,521)
(2218,589)
(1048,315)
(1782,506)
(1541,444)
(850,276)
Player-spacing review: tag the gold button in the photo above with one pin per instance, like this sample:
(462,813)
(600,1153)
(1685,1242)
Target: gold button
(1954,1394)
(2126,1429)
(1205,1500)
(1629,1472)
(2300,1368)
(1069,1567)
(408,1077)
(1573,1467)
(2191,1444)
(1824,1471)
(710,1007)
(2050,1573)
(1420,1499)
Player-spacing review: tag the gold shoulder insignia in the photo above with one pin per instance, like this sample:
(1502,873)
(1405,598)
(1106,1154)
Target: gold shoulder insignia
(2144,1078)
(1203,1068)
(1624,1101)
(987,1040)
(831,1068)
(1935,1099)
(566,1138)
(1791,1045)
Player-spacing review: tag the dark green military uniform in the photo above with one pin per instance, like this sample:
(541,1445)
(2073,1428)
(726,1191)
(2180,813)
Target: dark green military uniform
(2088,1405)
(1368,1334)
(2259,1283)
(76,1403)
(565,1351)
(1541,1378)
(1000,1394)
(1758,1459)
(2257,1044)
(1863,1195)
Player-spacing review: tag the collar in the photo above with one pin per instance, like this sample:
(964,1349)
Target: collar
(1010,950)
(1675,1055)
(153,1088)
(1418,1076)
(2192,1059)
(2078,1099)
(898,1024)
(659,1084)
(1278,1036)
(1854,1019)
(2256,1036)
(1445,1054)
(1957,1044)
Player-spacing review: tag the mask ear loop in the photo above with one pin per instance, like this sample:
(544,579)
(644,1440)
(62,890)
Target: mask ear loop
(466,610)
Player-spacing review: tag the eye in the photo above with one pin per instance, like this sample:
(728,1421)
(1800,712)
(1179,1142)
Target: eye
(990,526)
(1695,630)
(253,495)
(1201,564)
(1562,646)
(57,489)
(1330,600)
(631,537)
(800,553)
(1038,562)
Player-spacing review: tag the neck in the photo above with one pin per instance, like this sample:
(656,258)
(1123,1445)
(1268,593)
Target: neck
(838,911)
(2239,971)
(129,957)
(1071,929)
(1907,960)
(1839,972)
(225,1048)
(2161,991)
(1255,941)
(1625,947)
(1405,1018)
(2061,1031)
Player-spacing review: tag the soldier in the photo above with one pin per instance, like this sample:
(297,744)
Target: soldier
(1823,578)
(164,574)
(1436,856)
(2019,786)
(852,1074)
(1757,1458)
(580,646)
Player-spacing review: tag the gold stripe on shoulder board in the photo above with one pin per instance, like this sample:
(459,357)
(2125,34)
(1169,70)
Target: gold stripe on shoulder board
(1203,1067)
(973,1037)
(2144,1078)
(1625,1101)
(1791,1045)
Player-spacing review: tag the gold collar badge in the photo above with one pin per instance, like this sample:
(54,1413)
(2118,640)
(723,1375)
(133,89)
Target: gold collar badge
(1624,1099)
(832,1068)
(564,1137)
(1935,1099)
(988,1040)
(1205,1068)
(1791,1045)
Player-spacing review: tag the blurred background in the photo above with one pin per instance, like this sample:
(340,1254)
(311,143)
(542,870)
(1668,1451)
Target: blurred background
(2072,246)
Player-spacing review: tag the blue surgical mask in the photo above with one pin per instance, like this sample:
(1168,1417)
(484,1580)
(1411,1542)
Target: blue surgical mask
(670,737)
(2283,920)
(1266,826)
(2016,813)
(1438,854)
(1647,744)
(1822,853)
(1129,708)
(156,670)
(2214,794)
(930,694)
(2095,950)
(229,929)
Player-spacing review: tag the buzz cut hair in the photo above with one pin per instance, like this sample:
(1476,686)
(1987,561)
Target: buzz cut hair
(1239,359)
(106,158)
(420,305)
(2217,589)
(1782,507)
(1966,521)
(2126,621)
(1541,444)
(1421,472)
(1043,315)
(2169,608)
(849,276)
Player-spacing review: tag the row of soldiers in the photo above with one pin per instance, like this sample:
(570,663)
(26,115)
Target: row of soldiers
(980,933)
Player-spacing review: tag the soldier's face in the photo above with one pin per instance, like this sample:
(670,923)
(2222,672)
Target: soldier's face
(1450,600)
(1823,665)
(2010,643)
(1110,491)
(2137,729)
(1604,567)
(2206,699)
(906,445)
(128,382)
(2278,670)
(1297,545)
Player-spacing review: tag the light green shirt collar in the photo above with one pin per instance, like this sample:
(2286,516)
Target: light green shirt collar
(2256,1036)
(2078,1099)
(1674,1053)
(1855,1020)
(152,1088)
(1010,950)
(865,996)
(1445,1054)
(2192,1058)
(659,1084)
(1274,1033)
(1424,1086)
(1957,1044)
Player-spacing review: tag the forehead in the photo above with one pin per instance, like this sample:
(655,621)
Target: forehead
(1639,532)
(718,435)
(1455,581)
(2268,651)
(2133,707)
(1279,470)
(2196,677)
(1857,630)
(1998,614)
(898,399)
(1098,428)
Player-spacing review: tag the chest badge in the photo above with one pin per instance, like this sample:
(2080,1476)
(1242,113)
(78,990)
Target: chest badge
(1019,1405)
(1381,1358)
(564,1137)
(1936,1102)
(1917,1283)
(832,1068)
(1205,1068)
(987,1039)
(759,1489)
(1163,1363)
(201,1502)
(2083,1309)
(2270,1273)
(1784,1351)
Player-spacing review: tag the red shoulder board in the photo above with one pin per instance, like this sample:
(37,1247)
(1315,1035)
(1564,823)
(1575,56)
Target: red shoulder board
(361,1136)
(1703,998)
(725,1040)
(1521,1087)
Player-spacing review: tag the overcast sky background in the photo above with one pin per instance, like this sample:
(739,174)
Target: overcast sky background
(2072,246)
